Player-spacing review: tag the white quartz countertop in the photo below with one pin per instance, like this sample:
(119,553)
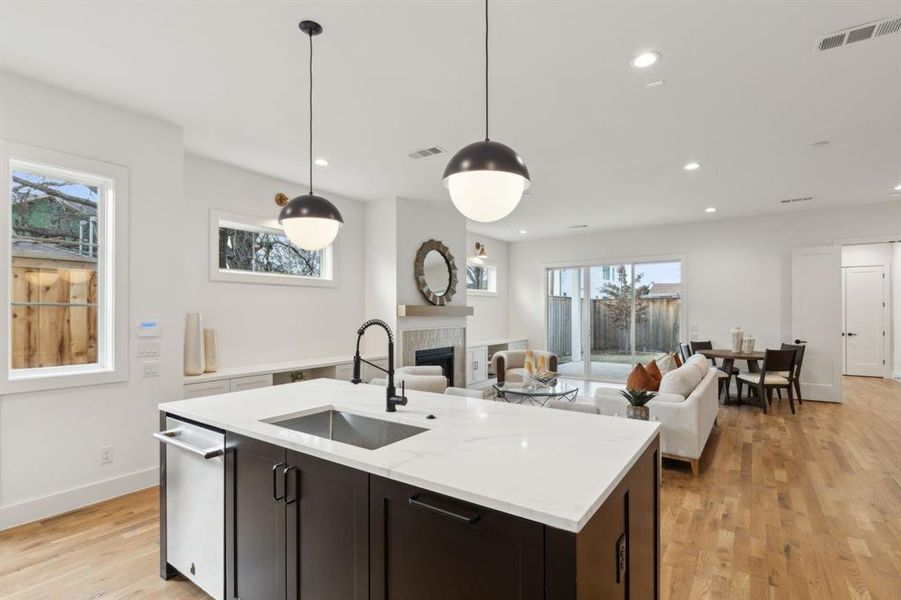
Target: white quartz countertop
(280,367)
(555,467)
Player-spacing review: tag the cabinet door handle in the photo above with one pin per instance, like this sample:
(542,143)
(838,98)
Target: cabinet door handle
(285,472)
(415,501)
(275,495)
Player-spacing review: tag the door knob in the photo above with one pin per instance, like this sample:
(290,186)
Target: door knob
(851,334)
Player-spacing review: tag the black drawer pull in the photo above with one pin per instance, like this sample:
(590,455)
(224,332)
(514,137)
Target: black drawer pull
(285,472)
(415,501)
(275,495)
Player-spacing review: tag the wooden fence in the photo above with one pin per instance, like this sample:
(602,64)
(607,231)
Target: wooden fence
(54,317)
(657,331)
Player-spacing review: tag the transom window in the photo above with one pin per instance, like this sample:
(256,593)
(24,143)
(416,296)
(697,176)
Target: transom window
(481,278)
(257,250)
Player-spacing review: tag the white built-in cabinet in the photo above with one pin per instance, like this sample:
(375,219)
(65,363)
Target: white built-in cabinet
(476,365)
(276,375)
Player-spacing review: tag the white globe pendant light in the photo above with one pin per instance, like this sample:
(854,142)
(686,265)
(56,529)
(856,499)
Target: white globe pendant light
(311,222)
(486,179)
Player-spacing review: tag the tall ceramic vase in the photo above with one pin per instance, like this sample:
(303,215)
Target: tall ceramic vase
(194,363)
(210,350)
(737,338)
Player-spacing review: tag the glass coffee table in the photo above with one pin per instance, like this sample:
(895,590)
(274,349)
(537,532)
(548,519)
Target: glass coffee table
(535,393)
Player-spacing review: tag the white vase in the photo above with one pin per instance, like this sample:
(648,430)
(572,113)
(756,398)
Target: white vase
(737,338)
(747,344)
(194,344)
(210,351)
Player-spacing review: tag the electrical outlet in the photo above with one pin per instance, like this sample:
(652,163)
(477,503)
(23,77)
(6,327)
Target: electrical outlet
(106,455)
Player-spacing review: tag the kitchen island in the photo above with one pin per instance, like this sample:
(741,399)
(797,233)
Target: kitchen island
(483,499)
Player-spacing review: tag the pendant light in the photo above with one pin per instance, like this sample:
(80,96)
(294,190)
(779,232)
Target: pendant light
(311,222)
(486,179)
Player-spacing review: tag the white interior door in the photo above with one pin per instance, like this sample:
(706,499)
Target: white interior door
(817,319)
(864,320)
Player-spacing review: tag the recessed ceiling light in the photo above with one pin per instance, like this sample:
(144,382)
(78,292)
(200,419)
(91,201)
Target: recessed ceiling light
(710,209)
(645,59)
(321,162)
(898,188)
(523,232)
(653,84)
(691,166)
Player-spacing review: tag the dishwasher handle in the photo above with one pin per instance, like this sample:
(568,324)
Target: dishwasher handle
(169,437)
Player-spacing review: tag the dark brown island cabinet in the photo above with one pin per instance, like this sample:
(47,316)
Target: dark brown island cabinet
(299,527)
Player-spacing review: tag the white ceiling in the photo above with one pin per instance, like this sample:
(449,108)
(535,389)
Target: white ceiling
(745,95)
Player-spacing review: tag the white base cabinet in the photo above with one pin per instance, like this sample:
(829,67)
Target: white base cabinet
(476,365)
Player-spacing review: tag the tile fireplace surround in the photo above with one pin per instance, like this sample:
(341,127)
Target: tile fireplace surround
(427,339)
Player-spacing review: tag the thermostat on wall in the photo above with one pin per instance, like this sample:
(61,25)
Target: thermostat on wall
(148,329)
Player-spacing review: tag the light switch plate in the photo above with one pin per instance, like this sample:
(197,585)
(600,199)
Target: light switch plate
(148,349)
(151,368)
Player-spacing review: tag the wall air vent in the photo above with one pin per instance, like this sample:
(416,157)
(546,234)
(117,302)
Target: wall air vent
(859,33)
(796,200)
(425,152)
(578,227)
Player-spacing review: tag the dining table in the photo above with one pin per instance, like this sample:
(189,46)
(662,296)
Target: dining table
(728,358)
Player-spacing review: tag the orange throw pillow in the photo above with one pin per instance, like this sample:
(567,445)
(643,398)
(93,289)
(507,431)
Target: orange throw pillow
(654,371)
(678,359)
(640,379)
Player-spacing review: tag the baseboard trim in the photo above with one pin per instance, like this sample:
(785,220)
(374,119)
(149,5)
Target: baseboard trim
(36,509)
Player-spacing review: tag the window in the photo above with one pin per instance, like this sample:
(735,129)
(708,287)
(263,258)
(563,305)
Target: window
(255,250)
(59,219)
(481,278)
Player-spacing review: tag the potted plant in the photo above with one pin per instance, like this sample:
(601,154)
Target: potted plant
(638,400)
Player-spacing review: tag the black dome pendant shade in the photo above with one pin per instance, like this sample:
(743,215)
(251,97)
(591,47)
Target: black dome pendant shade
(487,155)
(489,194)
(310,206)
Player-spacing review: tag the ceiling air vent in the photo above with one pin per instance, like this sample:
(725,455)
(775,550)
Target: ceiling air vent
(859,33)
(425,152)
(578,227)
(796,200)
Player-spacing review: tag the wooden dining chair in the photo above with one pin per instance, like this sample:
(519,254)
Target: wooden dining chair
(725,377)
(684,351)
(778,373)
(799,358)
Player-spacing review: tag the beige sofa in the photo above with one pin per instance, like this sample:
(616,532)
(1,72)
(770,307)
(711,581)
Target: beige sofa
(509,365)
(686,407)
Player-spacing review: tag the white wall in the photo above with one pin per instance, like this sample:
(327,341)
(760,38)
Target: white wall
(50,441)
(489,318)
(380,270)
(259,323)
(737,272)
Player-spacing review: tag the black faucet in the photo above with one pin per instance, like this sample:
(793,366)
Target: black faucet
(393,400)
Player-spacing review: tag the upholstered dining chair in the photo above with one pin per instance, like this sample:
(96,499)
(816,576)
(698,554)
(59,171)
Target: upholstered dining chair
(725,377)
(799,358)
(778,373)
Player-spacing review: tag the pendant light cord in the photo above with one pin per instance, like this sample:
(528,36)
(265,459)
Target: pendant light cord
(311,113)
(486,70)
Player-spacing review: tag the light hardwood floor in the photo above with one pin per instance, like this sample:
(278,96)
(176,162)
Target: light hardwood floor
(805,506)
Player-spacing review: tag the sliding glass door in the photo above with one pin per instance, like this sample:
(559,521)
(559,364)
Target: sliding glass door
(603,318)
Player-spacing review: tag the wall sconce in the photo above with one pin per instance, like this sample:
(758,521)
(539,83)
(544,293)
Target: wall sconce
(480,250)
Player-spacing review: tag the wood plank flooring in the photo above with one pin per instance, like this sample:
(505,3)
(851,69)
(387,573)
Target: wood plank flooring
(805,506)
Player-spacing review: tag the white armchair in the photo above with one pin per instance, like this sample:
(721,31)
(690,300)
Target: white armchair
(510,364)
(423,378)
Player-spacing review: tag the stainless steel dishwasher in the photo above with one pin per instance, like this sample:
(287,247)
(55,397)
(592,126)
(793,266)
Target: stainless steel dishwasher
(195,503)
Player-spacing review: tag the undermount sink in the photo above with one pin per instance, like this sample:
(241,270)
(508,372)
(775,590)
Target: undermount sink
(348,428)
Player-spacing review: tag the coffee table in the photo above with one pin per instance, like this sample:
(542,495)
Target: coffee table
(535,393)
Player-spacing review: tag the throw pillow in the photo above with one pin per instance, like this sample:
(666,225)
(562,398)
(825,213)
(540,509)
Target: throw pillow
(681,381)
(666,364)
(654,371)
(677,359)
(640,379)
